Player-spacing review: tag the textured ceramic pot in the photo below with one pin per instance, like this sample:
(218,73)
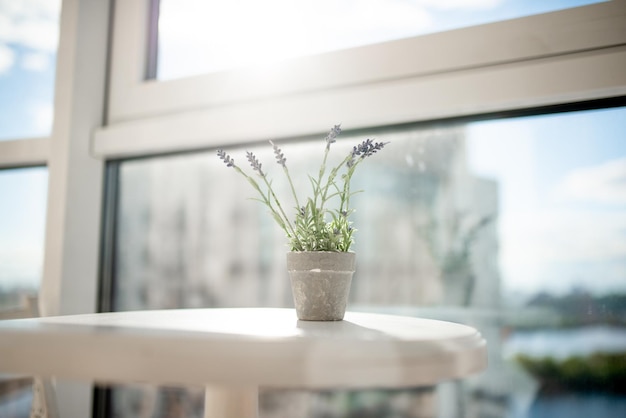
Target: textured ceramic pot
(320,283)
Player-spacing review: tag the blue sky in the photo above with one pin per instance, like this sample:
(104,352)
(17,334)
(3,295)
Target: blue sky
(562,181)
(563,204)
(23,194)
(26,95)
(28,42)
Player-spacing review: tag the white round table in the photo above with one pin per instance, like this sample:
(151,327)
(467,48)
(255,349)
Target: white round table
(235,351)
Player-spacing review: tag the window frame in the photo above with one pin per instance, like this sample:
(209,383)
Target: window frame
(24,152)
(502,66)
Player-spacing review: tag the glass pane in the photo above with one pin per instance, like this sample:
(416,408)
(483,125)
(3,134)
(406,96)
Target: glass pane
(29,32)
(23,194)
(513,226)
(197,36)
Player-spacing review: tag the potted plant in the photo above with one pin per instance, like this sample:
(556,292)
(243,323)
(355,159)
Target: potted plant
(320,263)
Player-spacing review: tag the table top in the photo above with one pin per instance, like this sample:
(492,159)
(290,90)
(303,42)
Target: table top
(242,347)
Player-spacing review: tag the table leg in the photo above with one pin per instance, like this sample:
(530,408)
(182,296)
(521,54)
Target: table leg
(221,402)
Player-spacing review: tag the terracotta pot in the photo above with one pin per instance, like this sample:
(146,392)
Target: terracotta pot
(320,283)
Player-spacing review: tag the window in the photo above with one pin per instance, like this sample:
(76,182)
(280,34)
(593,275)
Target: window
(403,72)
(28,42)
(166,218)
(22,220)
(416,88)
(196,37)
(487,223)
(28,38)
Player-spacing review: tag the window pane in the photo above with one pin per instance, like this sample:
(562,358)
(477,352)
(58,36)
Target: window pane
(28,43)
(22,226)
(23,195)
(513,226)
(197,36)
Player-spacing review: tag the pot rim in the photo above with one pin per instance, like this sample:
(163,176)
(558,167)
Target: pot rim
(323,260)
(321,252)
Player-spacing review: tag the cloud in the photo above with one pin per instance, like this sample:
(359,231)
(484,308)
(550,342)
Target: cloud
(565,235)
(7,58)
(545,249)
(43,114)
(31,24)
(459,4)
(35,61)
(36,34)
(605,183)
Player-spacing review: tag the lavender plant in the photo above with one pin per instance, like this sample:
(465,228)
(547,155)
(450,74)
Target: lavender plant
(315,227)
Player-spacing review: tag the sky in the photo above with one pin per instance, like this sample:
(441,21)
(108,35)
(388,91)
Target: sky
(562,178)
(562,182)
(28,42)
(23,194)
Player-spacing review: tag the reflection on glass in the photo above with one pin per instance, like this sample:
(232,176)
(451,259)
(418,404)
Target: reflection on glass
(28,43)
(489,223)
(197,36)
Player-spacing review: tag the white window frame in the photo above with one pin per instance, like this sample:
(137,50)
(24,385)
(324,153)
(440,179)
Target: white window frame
(560,57)
(24,152)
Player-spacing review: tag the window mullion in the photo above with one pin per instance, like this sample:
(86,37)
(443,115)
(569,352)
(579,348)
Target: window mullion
(24,152)
(70,277)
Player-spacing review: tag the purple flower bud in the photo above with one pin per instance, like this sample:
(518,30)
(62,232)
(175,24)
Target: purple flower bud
(226,158)
(280,157)
(254,162)
(332,135)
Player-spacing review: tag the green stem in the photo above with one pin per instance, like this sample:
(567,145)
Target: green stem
(281,217)
(316,189)
(293,189)
(331,179)
(280,207)
(345,195)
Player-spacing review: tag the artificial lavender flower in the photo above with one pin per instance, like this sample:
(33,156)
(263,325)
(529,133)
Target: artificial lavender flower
(254,162)
(310,231)
(365,149)
(280,157)
(332,135)
(226,158)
